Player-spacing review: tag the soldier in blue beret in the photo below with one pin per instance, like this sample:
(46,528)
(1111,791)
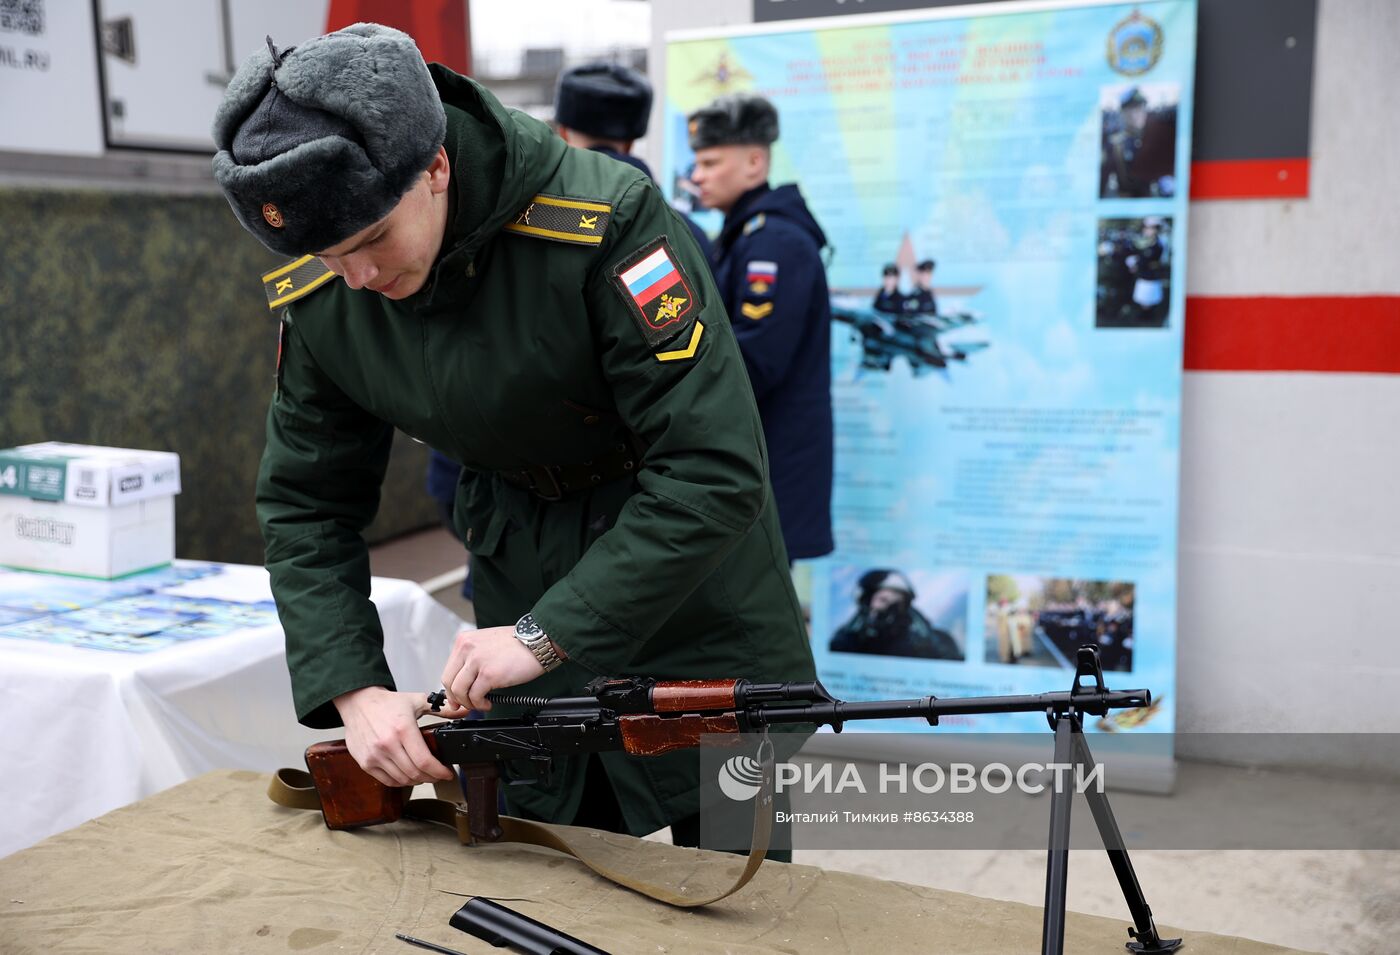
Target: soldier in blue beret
(768,265)
(606,107)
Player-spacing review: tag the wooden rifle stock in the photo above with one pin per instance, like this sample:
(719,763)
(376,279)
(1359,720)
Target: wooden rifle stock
(351,797)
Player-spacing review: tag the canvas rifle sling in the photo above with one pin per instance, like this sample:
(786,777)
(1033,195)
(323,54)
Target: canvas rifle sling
(294,789)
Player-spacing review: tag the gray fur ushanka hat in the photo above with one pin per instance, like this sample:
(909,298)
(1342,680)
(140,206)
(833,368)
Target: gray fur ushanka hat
(322,140)
(737,119)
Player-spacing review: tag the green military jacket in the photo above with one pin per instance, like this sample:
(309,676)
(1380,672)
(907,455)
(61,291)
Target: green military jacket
(528,347)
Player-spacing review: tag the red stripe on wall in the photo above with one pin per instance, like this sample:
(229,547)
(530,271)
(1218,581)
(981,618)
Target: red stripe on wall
(439,27)
(1325,333)
(1250,179)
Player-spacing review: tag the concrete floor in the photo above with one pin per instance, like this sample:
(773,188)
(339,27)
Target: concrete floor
(1343,902)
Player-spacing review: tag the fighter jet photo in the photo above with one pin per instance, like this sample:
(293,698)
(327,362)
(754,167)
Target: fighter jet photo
(922,339)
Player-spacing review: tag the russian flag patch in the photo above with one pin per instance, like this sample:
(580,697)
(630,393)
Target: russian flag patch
(657,291)
(762,276)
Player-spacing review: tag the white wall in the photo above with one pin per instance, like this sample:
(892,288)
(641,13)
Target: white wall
(1331,243)
(1290,516)
(1290,520)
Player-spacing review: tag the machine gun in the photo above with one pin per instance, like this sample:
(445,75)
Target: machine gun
(645,717)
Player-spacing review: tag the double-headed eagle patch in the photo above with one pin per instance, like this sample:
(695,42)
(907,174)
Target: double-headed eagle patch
(660,297)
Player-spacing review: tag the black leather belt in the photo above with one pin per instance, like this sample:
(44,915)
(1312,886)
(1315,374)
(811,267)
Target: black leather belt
(555,482)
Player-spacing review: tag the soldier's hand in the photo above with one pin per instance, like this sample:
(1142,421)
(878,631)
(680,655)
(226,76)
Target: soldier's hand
(382,734)
(486,660)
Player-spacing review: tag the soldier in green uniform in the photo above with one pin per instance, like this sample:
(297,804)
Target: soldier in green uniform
(540,314)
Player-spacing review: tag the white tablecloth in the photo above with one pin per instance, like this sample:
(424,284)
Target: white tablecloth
(85,731)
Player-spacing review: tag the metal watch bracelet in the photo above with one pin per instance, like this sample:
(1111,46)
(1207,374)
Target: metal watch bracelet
(528,632)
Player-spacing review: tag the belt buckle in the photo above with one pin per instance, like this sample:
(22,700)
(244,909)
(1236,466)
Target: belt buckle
(556,494)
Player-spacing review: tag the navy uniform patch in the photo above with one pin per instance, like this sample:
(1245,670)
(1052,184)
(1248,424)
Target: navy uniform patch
(761,279)
(298,277)
(576,221)
(762,276)
(660,296)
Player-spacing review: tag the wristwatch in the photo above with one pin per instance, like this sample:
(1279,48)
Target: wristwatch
(537,642)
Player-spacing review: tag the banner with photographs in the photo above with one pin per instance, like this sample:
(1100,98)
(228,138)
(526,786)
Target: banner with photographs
(1005,190)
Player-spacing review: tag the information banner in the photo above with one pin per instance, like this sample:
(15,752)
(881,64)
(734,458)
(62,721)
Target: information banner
(1004,186)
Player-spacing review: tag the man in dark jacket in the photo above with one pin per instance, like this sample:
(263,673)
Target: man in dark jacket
(1139,150)
(606,107)
(539,314)
(769,269)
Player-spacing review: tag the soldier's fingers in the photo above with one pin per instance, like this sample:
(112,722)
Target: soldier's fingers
(387,761)
(447,710)
(377,772)
(405,768)
(385,769)
(477,694)
(459,689)
(425,765)
(460,647)
(371,760)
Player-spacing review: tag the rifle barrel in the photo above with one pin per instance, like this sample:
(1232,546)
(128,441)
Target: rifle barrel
(1094,702)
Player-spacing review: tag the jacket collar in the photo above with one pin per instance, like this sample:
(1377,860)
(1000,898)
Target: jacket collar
(500,160)
(741,210)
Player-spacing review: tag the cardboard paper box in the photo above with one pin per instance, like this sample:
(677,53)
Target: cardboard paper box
(90,511)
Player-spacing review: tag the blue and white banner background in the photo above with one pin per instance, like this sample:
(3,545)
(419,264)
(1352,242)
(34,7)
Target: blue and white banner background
(1007,423)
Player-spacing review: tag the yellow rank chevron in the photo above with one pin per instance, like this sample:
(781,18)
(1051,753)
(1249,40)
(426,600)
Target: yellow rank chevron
(689,350)
(756,312)
(293,280)
(578,221)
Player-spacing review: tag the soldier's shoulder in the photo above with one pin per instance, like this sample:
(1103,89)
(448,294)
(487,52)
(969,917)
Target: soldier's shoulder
(586,172)
(297,280)
(579,201)
(754,223)
(772,232)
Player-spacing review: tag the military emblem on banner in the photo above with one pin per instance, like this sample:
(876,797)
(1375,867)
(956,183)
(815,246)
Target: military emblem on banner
(723,76)
(657,290)
(1135,45)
